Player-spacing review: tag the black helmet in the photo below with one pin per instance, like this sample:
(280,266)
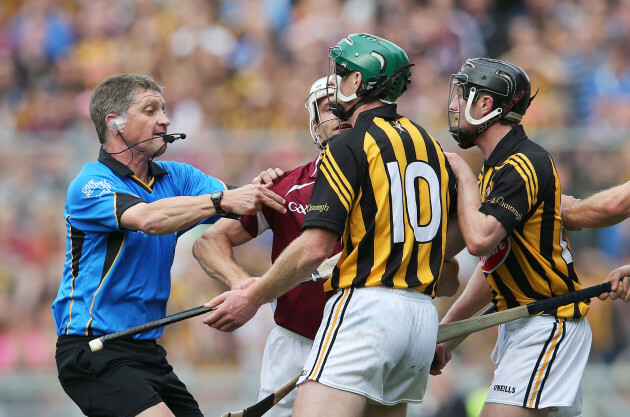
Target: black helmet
(508,85)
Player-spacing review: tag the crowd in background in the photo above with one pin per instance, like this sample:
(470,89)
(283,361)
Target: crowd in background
(236,74)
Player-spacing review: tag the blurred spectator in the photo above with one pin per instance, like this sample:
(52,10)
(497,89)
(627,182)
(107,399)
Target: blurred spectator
(609,87)
(40,33)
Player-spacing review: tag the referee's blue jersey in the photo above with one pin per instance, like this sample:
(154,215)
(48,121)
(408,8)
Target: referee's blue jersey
(115,278)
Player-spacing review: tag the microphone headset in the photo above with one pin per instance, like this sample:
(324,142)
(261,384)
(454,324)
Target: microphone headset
(168,138)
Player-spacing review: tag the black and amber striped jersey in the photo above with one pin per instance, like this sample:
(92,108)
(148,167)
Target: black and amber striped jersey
(519,186)
(385,188)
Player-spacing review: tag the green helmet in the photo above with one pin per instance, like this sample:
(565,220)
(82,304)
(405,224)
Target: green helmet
(384,65)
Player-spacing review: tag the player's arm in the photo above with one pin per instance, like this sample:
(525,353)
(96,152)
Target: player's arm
(480,231)
(476,295)
(298,260)
(170,215)
(603,209)
(214,251)
(454,240)
(449,279)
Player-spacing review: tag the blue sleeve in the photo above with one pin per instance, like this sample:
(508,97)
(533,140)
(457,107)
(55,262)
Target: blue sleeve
(193,182)
(91,203)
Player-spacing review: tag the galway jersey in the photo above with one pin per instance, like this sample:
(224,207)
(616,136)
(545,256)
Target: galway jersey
(519,186)
(115,278)
(385,187)
(301,309)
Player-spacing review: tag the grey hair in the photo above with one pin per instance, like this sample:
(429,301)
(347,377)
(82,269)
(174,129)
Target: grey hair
(115,94)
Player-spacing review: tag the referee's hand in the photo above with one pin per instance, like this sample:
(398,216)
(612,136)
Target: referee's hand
(251,198)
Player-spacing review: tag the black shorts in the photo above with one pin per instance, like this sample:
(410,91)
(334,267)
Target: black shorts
(123,379)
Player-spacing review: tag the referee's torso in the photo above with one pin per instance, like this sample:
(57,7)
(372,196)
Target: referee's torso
(519,186)
(115,278)
(385,188)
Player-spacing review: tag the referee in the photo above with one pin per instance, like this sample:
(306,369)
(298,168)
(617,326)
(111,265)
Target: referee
(124,214)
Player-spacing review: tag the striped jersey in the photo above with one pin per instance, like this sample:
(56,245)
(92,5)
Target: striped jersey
(385,188)
(115,278)
(519,186)
(300,309)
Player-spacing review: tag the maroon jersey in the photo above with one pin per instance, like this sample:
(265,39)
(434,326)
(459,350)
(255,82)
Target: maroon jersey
(301,309)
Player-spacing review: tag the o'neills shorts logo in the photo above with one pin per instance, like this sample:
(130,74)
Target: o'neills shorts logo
(504,388)
(495,259)
(320,207)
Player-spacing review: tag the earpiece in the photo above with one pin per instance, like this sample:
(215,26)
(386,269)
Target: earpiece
(116,124)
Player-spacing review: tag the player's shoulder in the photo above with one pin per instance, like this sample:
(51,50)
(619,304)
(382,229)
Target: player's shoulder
(351,140)
(93,171)
(175,167)
(296,176)
(531,153)
(94,179)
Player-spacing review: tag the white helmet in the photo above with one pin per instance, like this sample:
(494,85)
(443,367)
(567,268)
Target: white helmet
(320,89)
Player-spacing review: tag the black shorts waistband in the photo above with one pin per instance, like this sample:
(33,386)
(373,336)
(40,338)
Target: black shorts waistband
(74,339)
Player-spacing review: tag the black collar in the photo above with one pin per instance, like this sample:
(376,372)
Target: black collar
(123,170)
(365,118)
(387,111)
(506,145)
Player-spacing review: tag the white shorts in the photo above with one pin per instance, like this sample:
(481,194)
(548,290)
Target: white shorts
(540,362)
(377,342)
(284,357)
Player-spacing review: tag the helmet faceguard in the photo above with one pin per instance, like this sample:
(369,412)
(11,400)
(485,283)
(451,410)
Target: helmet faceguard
(384,67)
(506,83)
(322,88)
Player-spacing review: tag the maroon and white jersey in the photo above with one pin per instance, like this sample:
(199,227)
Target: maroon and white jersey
(301,309)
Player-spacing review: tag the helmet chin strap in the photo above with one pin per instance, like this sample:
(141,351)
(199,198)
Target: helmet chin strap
(463,137)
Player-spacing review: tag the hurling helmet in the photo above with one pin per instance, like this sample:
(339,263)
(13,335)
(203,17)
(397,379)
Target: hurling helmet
(384,66)
(320,89)
(508,85)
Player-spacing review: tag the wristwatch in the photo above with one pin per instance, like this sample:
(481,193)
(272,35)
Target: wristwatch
(216,198)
